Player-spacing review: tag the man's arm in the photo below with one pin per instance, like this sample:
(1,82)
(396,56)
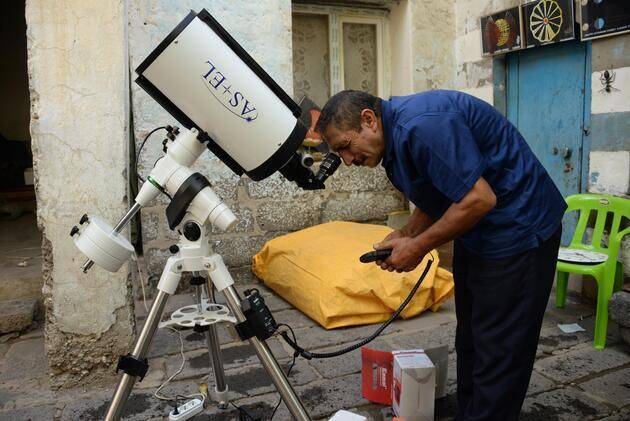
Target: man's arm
(418,223)
(461,216)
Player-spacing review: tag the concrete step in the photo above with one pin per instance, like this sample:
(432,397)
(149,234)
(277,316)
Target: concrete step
(16,315)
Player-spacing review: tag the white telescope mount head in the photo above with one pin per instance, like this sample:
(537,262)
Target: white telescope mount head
(194,205)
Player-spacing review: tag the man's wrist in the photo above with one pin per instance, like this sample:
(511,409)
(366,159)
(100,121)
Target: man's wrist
(419,245)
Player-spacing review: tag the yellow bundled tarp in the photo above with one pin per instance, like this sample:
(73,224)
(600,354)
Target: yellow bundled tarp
(318,271)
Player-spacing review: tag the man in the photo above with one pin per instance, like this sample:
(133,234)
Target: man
(474,180)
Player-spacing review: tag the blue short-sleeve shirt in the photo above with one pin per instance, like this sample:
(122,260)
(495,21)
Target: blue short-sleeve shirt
(439,143)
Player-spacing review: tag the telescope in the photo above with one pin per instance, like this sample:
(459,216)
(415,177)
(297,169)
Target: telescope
(206,80)
(226,103)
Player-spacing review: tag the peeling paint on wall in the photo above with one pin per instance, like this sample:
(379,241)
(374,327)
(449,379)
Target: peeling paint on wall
(609,172)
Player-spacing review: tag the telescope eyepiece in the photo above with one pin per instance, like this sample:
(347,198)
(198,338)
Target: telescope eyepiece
(328,166)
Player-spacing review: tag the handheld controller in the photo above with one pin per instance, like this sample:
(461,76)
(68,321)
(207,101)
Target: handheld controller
(373,256)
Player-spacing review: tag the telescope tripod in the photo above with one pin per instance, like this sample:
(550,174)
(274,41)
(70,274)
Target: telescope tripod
(194,254)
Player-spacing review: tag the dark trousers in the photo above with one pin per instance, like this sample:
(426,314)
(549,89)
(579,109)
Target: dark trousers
(500,304)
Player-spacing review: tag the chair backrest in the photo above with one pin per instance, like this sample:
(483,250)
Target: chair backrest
(606,207)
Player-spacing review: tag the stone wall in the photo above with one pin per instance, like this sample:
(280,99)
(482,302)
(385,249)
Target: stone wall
(77,64)
(273,206)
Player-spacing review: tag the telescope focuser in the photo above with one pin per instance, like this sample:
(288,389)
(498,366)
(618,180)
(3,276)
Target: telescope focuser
(307,179)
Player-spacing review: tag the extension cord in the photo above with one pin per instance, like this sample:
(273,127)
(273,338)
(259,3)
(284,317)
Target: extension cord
(187,410)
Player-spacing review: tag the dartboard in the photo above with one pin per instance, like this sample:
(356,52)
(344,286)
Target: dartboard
(546,20)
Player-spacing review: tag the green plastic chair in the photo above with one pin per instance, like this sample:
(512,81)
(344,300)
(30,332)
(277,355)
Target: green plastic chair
(608,274)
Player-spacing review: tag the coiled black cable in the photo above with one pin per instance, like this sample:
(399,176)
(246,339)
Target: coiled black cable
(310,355)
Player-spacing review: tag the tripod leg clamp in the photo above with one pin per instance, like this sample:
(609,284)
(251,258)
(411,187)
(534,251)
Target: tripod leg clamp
(132,366)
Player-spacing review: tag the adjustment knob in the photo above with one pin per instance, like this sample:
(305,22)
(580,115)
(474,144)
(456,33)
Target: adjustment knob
(192,232)
(173,249)
(84,219)
(74,230)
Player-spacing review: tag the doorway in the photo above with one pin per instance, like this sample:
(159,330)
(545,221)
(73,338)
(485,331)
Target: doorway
(548,99)
(20,240)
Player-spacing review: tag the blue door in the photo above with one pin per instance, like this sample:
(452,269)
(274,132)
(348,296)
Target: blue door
(547,101)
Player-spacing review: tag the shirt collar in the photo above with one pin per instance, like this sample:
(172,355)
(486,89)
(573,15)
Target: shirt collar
(386,119)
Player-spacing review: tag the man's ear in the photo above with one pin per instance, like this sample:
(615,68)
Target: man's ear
(369,118)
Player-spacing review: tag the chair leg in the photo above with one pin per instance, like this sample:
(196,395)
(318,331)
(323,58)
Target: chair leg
(618,277)
(604,292)
(562,280)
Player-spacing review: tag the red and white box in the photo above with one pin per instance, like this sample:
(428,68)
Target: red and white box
(413,391)
(406,389)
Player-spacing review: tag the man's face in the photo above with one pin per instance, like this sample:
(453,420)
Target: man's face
(364,148)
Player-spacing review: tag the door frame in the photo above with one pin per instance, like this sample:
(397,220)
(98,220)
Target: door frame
(500,93)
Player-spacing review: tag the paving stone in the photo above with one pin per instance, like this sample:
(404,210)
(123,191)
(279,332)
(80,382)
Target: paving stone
(317,337)
(325,397)
(539,383)
(254,381)
(623,415)
(562,404)
(625,336)
(579,363)
(294,318)
(373,412)
(32,413)
(429,338)
(347,363)
(155,376)
(613,388)
(166,342)
(258,407)
(7,395)
(234,356)
(173,303)
(27,393)
(553,340)
(25,360)
(4,347)
(428,319)
(36,332)
(451,374)
(139,407)
(16,315)
(572,312)
(275,303)
(619,308)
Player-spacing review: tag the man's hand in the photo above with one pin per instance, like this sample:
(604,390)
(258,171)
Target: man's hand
(406,255)
(395,234)
(391,236)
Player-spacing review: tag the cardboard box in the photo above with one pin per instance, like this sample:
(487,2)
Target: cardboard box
(413,391)
(439,358)
(377,371)
(376,375)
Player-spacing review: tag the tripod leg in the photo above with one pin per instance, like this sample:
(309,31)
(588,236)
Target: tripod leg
(139,352)
(214,350)
(225,284)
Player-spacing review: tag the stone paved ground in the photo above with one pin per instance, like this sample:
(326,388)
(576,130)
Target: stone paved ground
(571,380)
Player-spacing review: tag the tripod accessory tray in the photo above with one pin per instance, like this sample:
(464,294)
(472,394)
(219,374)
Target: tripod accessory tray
(191,316)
